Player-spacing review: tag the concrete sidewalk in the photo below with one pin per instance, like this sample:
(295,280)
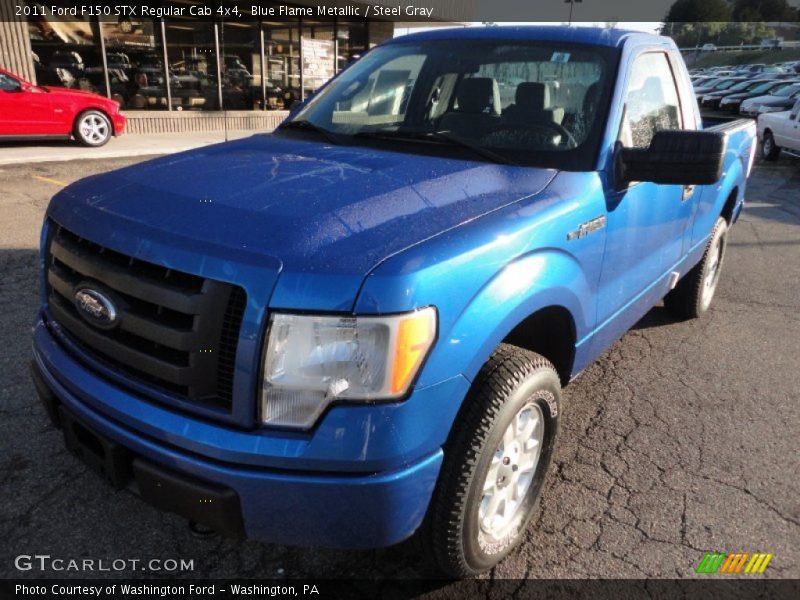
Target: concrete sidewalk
(127,145)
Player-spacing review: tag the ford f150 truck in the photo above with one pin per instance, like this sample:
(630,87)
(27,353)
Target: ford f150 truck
(357,328)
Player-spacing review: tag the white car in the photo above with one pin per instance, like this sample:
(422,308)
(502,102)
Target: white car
(780,131)
(752,106)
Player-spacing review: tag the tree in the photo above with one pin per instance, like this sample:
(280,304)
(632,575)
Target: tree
(699,11)
(763,10)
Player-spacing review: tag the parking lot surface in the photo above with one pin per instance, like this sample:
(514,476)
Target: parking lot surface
(680,440)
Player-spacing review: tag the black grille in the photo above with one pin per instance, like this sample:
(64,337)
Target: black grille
(175,332)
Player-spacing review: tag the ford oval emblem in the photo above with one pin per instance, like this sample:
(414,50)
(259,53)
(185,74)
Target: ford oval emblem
(96,308)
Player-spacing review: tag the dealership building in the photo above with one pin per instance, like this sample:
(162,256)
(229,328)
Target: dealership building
(184,71)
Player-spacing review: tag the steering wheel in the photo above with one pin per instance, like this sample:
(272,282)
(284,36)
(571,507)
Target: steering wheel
(539,126)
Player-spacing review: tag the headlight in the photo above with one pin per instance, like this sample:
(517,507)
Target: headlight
(312,361)
(767,109)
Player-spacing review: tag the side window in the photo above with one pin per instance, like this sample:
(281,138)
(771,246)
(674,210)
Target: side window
(651,102)
(795,111)
(8,84)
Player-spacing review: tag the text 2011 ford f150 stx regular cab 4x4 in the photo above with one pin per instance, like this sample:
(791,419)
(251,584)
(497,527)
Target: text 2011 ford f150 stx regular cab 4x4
(357,327)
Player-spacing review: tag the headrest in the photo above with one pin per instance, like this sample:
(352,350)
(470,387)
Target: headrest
(531,95)
(652,89)
(591,97)
(478,95)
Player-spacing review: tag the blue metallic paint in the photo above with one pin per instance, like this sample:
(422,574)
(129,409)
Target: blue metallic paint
(360,511)
(306,226)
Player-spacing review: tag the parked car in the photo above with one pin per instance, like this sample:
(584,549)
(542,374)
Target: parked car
(370,324)
(775,43)
(733,101)
(750,69)
(708,48)
(781,102)
(780,132)
(717,86)
(712,98)
(752,106)
(30,111)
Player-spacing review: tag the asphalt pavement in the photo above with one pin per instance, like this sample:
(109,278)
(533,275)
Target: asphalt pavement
(680,440)
(138,145)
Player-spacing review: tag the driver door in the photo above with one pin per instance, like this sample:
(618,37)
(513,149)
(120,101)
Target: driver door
(25,109)
(645,221)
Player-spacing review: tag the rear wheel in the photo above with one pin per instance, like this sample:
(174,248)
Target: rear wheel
(769,149)
(495,463)
(694,293)
(92,128)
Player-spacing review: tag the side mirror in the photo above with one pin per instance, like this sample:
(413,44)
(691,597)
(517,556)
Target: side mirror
(674,157)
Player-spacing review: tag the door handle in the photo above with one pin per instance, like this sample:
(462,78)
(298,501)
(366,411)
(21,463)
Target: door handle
(688,191)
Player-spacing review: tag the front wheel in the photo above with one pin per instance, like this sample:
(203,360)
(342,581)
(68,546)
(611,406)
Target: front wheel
(92,128)
(769,149)
(495,463)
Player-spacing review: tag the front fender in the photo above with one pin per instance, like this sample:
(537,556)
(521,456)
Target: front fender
(487,276)
(545,278)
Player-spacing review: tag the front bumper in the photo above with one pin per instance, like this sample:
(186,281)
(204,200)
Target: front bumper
(287,506)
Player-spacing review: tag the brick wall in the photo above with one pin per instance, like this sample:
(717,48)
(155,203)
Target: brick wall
(15,46)
(181,121)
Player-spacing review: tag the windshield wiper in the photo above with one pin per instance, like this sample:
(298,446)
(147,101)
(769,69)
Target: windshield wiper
(437,136)
(306,125)
(448,137)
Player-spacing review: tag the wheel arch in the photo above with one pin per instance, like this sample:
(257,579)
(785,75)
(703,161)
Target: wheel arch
(730,205)
(549,331)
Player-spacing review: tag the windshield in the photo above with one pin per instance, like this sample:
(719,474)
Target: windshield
(742,85)
(725,84)
(540,103)
(788,91)
(764,87)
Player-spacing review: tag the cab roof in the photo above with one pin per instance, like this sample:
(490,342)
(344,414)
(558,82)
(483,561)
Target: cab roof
(598,36)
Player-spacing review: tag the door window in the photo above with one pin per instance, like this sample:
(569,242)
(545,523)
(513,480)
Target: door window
(795,111)
(651,102)
(8,83)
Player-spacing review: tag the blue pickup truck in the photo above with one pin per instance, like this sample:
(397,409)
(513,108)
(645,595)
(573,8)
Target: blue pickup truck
(357,328)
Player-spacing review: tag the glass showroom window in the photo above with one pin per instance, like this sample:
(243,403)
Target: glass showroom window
(134,56)
(192,63)
(318,54)
(240,46)
(282,48)
(67,54)
(351,39)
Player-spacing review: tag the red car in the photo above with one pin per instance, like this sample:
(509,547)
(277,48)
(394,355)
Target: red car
(31,111)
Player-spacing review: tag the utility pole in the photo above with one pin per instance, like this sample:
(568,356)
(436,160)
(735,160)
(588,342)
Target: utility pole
(571,5)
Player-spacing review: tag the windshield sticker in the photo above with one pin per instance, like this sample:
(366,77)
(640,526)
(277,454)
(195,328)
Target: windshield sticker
(559,57)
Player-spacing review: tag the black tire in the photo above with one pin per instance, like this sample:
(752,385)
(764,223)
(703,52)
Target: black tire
(694,293)
(512,382)
(92,128)
(769,149)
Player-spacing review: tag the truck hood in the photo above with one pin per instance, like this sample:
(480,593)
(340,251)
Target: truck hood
(324,214)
